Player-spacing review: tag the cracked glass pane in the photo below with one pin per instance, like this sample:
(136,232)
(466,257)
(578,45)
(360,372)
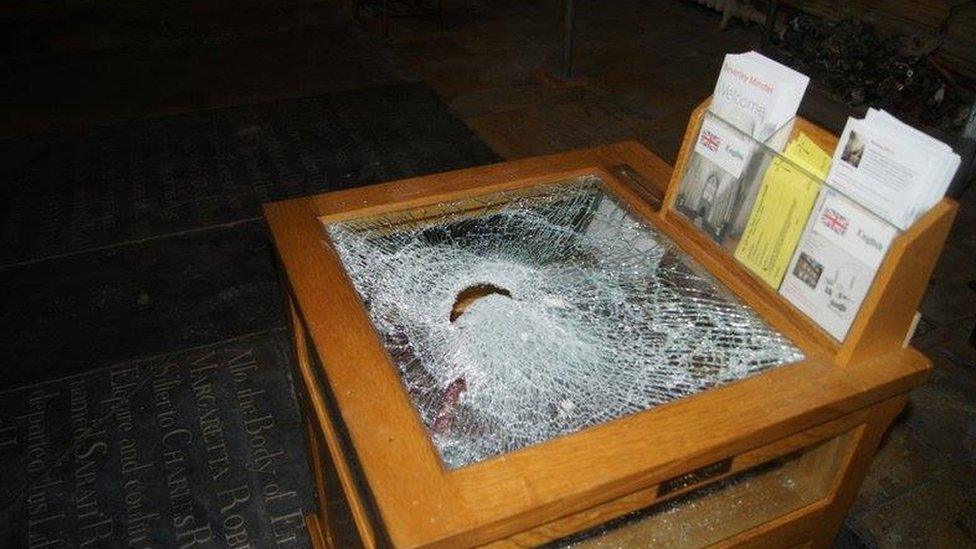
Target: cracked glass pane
(523,315)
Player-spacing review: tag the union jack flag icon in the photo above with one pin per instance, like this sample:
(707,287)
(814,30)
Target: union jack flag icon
(710,140)
(834,221)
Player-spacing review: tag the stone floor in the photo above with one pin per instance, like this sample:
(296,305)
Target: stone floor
(641,65)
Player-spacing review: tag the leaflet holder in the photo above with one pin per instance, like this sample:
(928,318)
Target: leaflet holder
(886,315)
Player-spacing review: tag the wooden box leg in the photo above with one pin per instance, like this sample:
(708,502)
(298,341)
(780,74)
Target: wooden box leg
(323,524)
(850,483)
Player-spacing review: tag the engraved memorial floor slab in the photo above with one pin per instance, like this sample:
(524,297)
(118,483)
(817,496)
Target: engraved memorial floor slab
(203,446)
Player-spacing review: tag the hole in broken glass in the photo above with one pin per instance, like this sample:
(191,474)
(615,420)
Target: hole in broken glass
(469,295)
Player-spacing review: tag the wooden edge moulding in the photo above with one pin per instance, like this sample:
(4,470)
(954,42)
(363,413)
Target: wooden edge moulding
(380,480)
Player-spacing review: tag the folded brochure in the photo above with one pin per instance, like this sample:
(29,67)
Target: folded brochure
(781,210)
(756,94)
(754,99)
(835,262)
(891,168)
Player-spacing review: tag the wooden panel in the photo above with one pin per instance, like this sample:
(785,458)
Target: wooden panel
(889,307)
(757,496)
(319,541)
(322,433)
(389,440)
(834,431)
(323,527)
(684,155)
(817,525)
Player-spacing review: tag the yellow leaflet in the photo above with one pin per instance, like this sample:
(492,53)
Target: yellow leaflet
(807,154)
(780,211)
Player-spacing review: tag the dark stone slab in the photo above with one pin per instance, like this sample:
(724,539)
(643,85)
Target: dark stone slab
(963,235)
(108,66)
(204,445)
(847,539)
(136,300)
(411,131)
(64,192)
(948,301)
(938,513)
(943,410)
(903,462)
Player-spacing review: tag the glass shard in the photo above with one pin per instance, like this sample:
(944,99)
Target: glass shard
(520,316)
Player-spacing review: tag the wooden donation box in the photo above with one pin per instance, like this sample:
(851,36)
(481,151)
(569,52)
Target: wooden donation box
(548,352)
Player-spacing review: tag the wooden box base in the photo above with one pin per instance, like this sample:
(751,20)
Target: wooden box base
(772,461)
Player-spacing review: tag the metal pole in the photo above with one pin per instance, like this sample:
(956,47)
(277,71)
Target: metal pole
(568,40)
(772,10)
(966,147)
(969,132)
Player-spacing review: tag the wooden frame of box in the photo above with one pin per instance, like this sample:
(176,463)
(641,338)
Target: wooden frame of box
(377,468)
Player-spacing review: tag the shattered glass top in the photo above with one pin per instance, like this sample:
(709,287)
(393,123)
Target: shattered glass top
(521,316)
